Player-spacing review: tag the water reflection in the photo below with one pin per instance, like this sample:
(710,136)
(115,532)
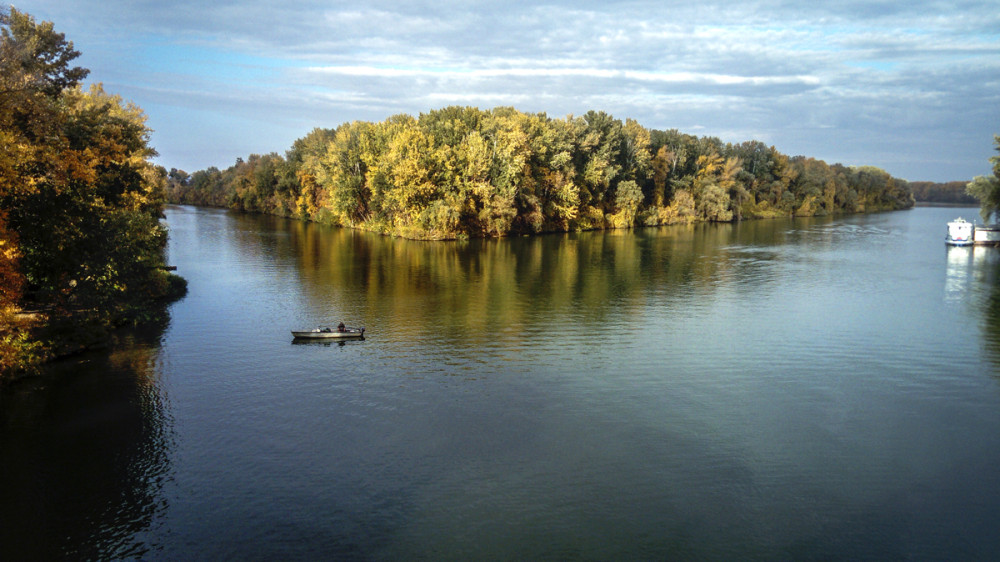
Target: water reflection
(958,271)
(520,282)
(326,343)
(85,451)
(972,275)
(986,270)
(789,389)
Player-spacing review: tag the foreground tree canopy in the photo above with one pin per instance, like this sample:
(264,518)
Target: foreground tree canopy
(80,203)
(466,172)
(987,188)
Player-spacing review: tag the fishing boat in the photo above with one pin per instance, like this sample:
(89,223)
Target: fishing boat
(960,233)
(328,333)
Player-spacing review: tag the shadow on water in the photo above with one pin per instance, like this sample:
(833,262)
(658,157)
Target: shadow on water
(85,450)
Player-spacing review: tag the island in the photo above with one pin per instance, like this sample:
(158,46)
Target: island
(462,172)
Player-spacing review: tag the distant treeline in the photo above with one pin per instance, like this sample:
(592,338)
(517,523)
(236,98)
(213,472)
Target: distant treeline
(465,172)
(952,192)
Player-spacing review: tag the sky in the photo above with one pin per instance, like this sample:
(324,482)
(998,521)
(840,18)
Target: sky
(912,87)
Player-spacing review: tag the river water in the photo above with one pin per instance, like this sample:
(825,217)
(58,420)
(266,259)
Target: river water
(791,389)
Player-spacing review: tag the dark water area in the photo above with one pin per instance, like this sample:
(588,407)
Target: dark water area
(821,388)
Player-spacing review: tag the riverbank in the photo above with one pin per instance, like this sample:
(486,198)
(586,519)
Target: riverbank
(666,217)
(32,338)
(953,205)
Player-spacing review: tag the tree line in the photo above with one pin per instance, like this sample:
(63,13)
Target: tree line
(951,193)
(81,244)
(463,172)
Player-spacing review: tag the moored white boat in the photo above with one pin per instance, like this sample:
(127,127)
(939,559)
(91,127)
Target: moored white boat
(960,233)
(328,333)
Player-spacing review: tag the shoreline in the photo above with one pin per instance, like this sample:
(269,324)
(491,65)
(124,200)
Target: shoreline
(511,234)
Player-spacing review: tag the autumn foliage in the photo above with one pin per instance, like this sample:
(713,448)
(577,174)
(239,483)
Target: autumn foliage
(466,172)
(80,238)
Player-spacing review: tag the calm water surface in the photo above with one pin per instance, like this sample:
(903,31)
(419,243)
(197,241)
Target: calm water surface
(809,389)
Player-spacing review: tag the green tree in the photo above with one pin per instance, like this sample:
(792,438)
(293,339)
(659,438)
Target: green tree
(628,197)
(987,188)
(812,186)
(716,176)
(34,58)
(99,194)
(344,173)
(304,159)
(80,202)
(461,171)
(407,162)
(600,147)
(552,167)
(508,147)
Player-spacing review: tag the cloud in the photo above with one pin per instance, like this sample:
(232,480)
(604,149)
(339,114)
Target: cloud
(839,80)
(560,72)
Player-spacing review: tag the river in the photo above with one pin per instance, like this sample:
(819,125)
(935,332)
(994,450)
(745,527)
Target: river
(822,388)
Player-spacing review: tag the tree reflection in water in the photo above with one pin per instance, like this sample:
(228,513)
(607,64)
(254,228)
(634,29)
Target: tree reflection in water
(85,451)
(987,272)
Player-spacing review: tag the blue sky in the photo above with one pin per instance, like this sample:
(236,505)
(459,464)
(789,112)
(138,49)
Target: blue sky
(911,87)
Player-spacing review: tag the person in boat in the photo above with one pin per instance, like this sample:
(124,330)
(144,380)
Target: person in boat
(340,327)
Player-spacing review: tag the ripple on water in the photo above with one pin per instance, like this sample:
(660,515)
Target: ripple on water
(825,388)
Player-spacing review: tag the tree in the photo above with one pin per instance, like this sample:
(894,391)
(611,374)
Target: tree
(11,278)
(34,65)
(812,185)
(628,197)
(344,172)
(77,225)
(508,155)
(305,159)
(461,171)
(35,58)
(661,165)
(635,155)
(408,162)
(80,202)
(716,176)
(987,189)
(600,153)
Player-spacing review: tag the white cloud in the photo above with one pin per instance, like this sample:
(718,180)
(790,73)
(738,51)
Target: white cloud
(559,72)
(838,80)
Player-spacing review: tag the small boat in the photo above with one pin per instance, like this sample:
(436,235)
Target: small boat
(960,233)
(328,333)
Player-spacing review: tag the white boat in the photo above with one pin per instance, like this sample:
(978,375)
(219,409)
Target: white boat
(328,333)
(960,233)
